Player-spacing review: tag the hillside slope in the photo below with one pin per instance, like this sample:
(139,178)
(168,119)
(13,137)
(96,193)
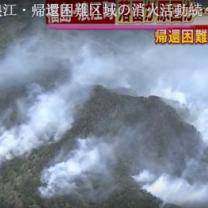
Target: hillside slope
(149,135)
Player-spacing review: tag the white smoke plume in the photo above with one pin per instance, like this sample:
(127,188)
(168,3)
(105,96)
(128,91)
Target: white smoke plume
(90,157)
(178,191)
(173,189)
(144,177)
(43,123)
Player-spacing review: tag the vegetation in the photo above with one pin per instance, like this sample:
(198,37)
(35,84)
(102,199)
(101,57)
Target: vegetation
(20,177)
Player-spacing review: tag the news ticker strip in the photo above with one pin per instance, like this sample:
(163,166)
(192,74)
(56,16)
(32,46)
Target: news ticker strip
(117,14)
(181,36)
(124,11)
(125,14)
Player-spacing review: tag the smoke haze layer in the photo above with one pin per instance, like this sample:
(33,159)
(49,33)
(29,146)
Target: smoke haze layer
(46,76)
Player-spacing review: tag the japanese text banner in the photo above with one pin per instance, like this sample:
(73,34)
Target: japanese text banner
(125,14)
